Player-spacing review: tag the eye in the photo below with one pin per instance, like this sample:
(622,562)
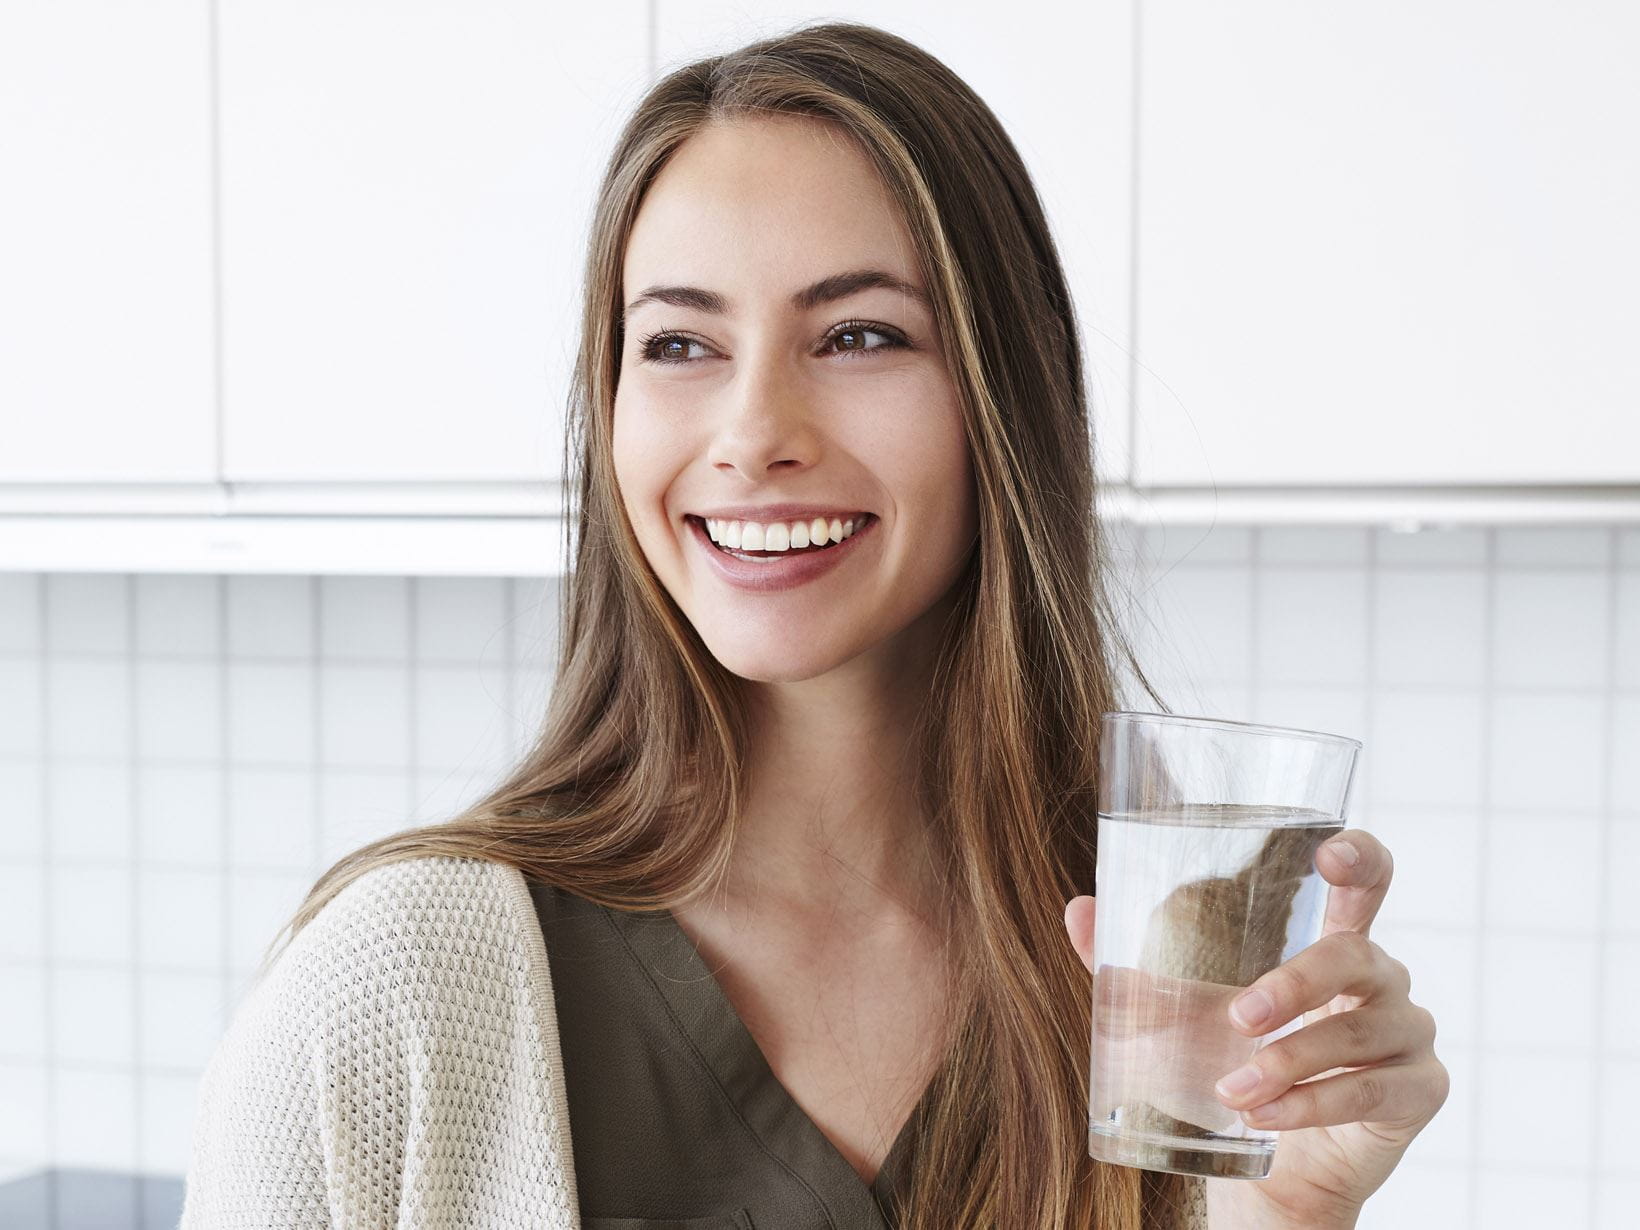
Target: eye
(662,347)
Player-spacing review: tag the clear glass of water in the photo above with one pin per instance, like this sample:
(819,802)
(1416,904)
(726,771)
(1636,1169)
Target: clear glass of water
(1206,879)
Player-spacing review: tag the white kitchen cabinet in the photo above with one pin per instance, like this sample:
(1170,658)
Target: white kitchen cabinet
(406,191)
(1045,74)
(106,330)
(1387,244)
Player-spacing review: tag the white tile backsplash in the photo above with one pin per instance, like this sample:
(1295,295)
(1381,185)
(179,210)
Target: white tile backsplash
(1619,1099)
(1551,628)
(90,813)
(365,719)
(1559,1089)
(1576,546)
(1199,623)
(1621,995)
(88,613)
(1625,758)
(178,615)
(178,1019)
(1518,1198)
(1437,853)
(96,1121)
(181,755)
(21,625)
(1311,626)
(1549,750)
(22,701)
(1626,669)
(270,822)
(93,1015)
(88,708)
(1621,863)
(179,813)
(179,710)
(170,903)
(1419,1194)
(271,617)
(22,811)
(1430,627)
(91,909)
(364,619)
(1538,991)
(272,713)
(23,1022)
(1544,871)
(1429,747)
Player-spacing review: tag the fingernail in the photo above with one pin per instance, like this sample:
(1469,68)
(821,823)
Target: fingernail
(1241,1081)
(1252,1009)
(1345,851)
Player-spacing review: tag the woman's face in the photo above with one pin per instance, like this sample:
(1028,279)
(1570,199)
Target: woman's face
(811,405)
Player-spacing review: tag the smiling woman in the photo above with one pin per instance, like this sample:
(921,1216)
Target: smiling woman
(818,773)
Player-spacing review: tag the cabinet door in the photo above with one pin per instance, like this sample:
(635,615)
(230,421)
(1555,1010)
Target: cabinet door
(406,192)
(106,332)
(1388,243)
(1064,97)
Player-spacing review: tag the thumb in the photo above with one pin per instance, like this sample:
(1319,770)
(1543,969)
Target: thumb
(1079,920)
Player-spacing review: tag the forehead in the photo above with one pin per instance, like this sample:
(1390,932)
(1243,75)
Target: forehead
(762,207)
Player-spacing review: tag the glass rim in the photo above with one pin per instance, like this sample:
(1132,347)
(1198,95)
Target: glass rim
(1163,719)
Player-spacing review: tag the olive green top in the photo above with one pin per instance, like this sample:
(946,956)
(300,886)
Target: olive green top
(677,1120)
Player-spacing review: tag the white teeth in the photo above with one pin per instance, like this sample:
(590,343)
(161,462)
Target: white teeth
(778,536)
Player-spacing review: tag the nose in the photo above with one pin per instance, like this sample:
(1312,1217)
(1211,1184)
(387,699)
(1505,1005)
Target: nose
(766,424)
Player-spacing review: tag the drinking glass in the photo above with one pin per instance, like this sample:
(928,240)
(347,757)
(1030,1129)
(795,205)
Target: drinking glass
(1206,880)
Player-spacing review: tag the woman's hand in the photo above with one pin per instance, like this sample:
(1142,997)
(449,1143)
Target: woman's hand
(1369,1048)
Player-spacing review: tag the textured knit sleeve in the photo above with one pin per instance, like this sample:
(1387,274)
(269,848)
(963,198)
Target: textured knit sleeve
(256,1158)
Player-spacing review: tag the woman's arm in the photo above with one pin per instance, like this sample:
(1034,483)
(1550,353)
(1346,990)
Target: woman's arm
(257,1157)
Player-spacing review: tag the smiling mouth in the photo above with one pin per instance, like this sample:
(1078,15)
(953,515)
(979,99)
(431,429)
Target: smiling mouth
(742,553)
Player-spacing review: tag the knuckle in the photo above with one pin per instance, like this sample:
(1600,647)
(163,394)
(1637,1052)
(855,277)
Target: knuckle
(1399,975)
(1353,947)
(1356,1028)
(1288,985)
(1425,1020)
(1367,1093)
(1443,1084)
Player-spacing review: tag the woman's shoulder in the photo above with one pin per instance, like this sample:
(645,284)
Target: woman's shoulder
(406,938)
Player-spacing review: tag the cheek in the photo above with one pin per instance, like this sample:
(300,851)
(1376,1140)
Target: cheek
(644,460)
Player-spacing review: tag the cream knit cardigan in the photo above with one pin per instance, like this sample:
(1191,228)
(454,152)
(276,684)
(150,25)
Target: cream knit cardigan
(398,1066)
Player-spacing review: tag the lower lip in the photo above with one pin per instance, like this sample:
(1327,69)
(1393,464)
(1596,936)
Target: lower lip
(782,573)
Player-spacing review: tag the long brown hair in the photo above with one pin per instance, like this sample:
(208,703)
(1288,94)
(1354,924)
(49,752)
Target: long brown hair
(631,793)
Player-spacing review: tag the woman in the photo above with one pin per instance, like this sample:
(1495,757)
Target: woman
(824,314)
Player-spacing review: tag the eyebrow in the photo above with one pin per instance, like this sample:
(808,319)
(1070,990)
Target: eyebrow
(826,290)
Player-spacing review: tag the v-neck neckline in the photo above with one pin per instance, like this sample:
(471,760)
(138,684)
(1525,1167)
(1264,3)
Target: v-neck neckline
(706,1016)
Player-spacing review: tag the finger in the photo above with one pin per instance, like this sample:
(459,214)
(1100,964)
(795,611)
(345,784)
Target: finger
(1399,1096)
(1353,1039)
(1079,913)
(1358,888)
(1344,963)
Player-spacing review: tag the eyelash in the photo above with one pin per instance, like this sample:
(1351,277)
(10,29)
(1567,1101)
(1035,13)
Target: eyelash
(646,347)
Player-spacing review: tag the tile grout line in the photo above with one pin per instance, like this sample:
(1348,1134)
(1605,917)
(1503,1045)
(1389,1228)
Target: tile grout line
(316,774)
(134,882)
(1608,772)
(1255,595)
(1488,722)
(316,594)
(47,938)
(412,595)
(1369,699)
(223,588)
